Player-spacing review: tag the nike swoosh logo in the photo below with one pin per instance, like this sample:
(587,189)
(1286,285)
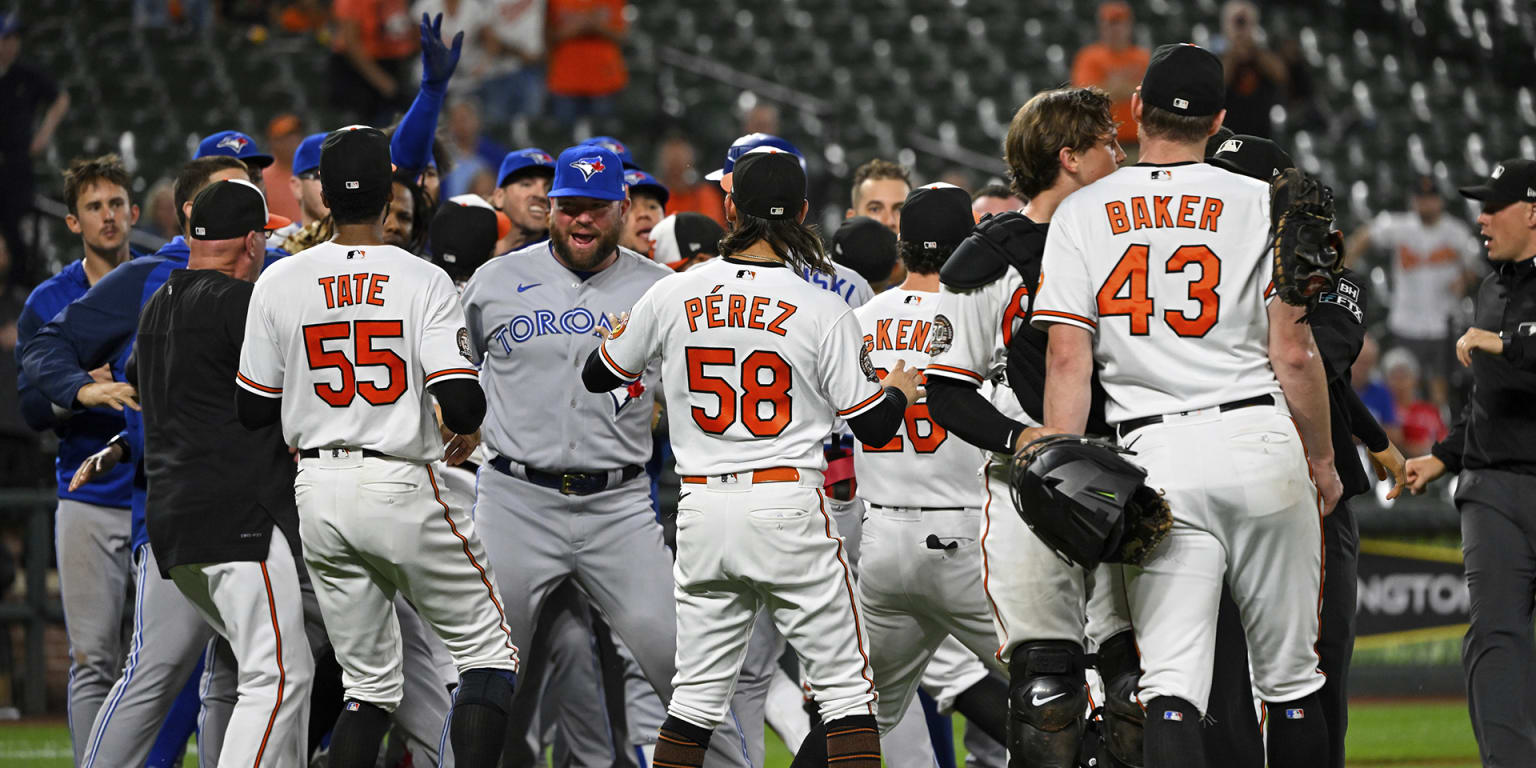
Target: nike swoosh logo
(1037,701)
(521,287)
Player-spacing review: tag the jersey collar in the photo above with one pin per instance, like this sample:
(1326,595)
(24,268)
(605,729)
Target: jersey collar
(750,263)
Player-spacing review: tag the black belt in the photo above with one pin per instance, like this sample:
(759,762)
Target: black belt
(1127,427)
(368,453)
(918,509)
(569,483)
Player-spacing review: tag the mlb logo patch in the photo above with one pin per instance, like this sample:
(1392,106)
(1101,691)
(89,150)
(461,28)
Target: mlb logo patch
(1161,174)
(745,274)
(356,253)
(1295,714)
(199,231)
(914,300)
(352,706)
(776,211)
(1181,104)
(1177,717)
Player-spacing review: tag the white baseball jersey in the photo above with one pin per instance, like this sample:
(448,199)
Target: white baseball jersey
(923,465)
(1166,266)
(1426,261)
(756,363)
(349,337)
(844,281)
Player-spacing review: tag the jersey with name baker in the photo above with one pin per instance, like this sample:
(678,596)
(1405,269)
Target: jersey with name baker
(532,324)
(1166,266)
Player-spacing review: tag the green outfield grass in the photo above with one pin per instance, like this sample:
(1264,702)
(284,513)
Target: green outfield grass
(1397,734)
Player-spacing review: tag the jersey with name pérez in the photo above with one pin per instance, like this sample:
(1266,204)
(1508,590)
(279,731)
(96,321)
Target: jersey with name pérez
(349,336)
(923,465)
(1166,266)
(757,364)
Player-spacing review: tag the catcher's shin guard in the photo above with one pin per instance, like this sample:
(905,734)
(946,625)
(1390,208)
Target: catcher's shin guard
(1124,720)
(1047,702)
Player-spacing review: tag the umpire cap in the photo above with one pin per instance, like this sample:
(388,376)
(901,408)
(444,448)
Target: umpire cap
(1252,156)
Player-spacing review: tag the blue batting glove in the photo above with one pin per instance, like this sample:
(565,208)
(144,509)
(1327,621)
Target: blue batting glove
(437,59)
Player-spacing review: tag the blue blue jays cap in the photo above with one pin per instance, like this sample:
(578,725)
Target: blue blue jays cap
(306,159)
(615,146)
(746,144)
(637,179)
(233,144)
(587,170)
(10,24)
(523,159)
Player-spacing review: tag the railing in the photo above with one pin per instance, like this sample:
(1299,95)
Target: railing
(32,510)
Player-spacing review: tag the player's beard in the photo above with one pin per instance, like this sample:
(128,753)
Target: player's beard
(604,248)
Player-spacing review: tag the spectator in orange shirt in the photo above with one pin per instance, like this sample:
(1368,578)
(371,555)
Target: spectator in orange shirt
(371,51)
(676,169)
(586,61)
(284,133)
(1115,64)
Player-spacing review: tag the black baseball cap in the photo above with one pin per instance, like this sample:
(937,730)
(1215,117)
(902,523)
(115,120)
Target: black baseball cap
(354,163)
(867,247)
(1252,156)
(464,234)
(682,236)
(1214,142)
(1184,79)
(768,183)
(936,216)
(233,208)
(1512,181)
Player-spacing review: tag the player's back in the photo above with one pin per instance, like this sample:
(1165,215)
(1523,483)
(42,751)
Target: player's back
(356,334)
(751,357)
(1167,265)
(923,466)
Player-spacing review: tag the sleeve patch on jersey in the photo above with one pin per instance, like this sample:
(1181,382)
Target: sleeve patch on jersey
(463,338)
(866,365)
(942,336)
(1341,300)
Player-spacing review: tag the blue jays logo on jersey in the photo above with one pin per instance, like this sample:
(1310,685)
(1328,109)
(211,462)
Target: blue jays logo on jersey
(588,166)
(625,394)
(237,143)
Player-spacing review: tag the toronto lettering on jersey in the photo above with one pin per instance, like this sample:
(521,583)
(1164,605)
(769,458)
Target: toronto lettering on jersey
(1159,211)
(738,312)
(356,288)
(909,334)
(543,322)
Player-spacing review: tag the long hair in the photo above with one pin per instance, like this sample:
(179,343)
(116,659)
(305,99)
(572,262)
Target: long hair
(799,245)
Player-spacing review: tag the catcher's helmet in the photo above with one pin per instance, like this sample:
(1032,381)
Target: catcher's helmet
(1086,501)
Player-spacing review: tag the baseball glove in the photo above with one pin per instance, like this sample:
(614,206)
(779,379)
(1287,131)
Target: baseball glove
(1087,502)
(1308,254)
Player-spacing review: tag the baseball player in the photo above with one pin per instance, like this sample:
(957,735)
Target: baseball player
(92,524)
(222,530)
(647,207)
(562,496)
(522,194)
(1059,142)
(757,366)
(880,187)
(346,342)
(1157,275)
(684,239)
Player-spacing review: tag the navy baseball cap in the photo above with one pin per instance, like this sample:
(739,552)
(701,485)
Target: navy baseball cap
(1184,79)
(587,170)
(523,159)
(233,144)
(746,144)
(306,158)
(1512,181)
(615,146)
(637,179)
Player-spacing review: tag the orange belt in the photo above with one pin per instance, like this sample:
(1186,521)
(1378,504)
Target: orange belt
(773,475)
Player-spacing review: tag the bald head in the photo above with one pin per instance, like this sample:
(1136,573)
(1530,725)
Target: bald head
(238,257)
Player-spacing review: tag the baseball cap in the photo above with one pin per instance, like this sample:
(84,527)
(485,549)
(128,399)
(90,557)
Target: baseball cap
(1215,141)
(1184,79)
(744,145)
(1252,156)
(1512,181)
(10,24)
(770,184)
(464,234)
(523,159)
(685,235)
(587,170)
(233,144)
(936,216)
(307,157)
(637,179)
(616,147)
(232,208)
(867,247)
(354,163)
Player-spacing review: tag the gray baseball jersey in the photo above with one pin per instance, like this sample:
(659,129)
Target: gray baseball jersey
(533,322)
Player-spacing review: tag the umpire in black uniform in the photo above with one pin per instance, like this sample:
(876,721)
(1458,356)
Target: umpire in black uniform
(220,509)
(1338,326)
(1493,446)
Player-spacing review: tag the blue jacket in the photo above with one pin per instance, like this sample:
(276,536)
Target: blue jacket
(82,432)
(96,329)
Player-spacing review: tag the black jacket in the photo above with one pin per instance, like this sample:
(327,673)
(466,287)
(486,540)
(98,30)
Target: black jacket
(1338,326)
